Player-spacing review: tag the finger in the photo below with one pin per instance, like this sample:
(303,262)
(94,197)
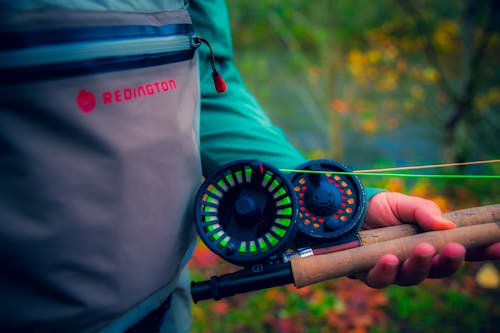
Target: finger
(380,213)
(425,213)
(392,208)
(448,261)
(383,273)
(491,252)
(417,267)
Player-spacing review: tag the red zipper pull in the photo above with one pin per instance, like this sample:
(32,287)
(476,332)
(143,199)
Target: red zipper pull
(219,83)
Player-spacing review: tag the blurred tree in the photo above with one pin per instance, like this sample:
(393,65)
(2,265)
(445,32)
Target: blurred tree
(311,37)
(349,68)
(462,82)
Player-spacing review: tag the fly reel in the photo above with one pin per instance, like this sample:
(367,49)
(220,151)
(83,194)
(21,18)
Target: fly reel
(245,212)
(331,205)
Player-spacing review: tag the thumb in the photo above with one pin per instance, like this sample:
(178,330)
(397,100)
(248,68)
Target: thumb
(424,212)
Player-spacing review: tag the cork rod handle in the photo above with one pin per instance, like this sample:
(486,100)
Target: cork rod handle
(471,233)
(462,218)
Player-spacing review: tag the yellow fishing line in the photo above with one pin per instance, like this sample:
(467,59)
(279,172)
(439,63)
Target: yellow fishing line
(383,173)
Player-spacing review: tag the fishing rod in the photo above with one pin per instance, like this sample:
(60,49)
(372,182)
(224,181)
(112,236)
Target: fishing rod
(304,227)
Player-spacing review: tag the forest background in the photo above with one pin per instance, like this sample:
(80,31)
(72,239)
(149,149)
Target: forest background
(374,84)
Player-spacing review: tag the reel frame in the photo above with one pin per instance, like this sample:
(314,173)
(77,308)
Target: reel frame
(245,212)
(331,206)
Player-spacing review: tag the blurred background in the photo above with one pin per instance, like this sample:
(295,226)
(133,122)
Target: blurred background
(374,84)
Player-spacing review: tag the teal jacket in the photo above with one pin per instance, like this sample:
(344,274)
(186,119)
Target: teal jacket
(233,124)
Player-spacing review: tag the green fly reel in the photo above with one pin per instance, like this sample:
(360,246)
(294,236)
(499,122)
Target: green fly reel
(246,211)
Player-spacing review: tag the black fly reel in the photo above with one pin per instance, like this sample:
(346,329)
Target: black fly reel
(250,214)
(246,212)
(331,205)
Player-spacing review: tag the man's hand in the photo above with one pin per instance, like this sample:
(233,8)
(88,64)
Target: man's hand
(390,208)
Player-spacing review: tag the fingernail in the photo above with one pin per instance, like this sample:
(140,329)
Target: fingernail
(389,265)
(446,224)
(426,250)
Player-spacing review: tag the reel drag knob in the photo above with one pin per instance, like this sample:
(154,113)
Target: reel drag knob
(245,212)
(320,197)
(331,205)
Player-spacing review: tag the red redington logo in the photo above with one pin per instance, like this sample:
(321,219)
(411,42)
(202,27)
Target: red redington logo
(87,101)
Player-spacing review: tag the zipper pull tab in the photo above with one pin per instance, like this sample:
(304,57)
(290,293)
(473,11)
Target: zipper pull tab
(219,83)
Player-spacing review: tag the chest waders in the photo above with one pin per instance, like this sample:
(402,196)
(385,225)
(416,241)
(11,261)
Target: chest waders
(99,163)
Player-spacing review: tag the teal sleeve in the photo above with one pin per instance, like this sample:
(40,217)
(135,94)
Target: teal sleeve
(232,125)
(371,191)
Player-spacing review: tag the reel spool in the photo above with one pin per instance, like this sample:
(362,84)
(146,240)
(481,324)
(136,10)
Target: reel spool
(245,212)
(331,206)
